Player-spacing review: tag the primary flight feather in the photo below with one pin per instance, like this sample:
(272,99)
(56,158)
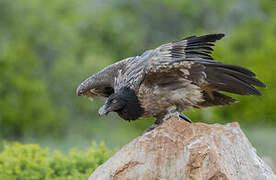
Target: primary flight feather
(180,74)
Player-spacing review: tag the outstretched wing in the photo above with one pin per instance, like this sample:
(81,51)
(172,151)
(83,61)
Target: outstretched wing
(191,61)
(191,48)
(164,58)
(194,48)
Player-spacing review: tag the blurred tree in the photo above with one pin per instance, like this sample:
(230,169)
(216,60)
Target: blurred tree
(26,107)
(48,47)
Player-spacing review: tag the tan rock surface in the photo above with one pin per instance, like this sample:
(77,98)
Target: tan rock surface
(179,150)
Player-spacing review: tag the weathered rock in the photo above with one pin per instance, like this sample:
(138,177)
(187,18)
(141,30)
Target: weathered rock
(179,150)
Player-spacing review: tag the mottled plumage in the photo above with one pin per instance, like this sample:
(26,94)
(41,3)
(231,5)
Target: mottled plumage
(181,74)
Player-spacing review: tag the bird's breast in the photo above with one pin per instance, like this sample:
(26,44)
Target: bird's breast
(155,99)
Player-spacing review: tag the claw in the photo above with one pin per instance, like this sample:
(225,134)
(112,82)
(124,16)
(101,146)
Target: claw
(172,112)
(182,116)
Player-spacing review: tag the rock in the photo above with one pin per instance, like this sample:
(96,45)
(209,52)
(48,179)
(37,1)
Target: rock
(180,150)
(269,162)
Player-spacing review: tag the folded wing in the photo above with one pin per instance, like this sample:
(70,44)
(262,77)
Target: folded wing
(102,83)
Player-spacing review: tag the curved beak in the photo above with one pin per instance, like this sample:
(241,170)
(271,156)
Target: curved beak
(103,110)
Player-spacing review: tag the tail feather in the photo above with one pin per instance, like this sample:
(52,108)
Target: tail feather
(242,76)
(225,82)
(233,67)
(233,79)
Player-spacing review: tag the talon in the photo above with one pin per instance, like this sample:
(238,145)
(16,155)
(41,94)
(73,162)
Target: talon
(182,116)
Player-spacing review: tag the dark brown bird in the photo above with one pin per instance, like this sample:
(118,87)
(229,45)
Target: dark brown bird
(181,74)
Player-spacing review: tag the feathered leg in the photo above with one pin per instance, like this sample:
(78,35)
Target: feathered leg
(177,112)
(172,111)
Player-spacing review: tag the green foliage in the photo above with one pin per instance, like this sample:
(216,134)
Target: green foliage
(48,47)
(25,100)
(18,161)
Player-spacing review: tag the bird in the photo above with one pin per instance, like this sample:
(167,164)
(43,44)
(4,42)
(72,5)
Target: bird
(169,79)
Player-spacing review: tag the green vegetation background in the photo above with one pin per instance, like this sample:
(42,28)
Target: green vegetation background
(48,47)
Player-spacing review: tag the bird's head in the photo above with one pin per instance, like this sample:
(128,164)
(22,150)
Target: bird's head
(125,103)
(114,102)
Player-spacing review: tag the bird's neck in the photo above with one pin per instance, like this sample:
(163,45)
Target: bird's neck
(132,110)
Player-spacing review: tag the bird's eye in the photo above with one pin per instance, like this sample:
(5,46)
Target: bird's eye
(114,101)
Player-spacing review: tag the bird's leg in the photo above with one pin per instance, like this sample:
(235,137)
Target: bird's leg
(182,116)
(177,112)
(172,111)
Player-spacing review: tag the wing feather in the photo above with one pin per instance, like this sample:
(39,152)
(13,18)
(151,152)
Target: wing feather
(192,48)
(102,83)
(191,59)
(165,57)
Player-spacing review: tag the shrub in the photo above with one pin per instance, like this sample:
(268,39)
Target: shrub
(18,161)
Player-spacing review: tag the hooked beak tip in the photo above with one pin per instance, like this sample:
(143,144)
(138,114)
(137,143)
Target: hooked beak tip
(101,114)
(103,111)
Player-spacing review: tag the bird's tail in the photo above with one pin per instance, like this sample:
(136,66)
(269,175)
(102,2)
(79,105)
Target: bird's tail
(231,78)
(227,78)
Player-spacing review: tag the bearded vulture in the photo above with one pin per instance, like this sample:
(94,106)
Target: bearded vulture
(171,78)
